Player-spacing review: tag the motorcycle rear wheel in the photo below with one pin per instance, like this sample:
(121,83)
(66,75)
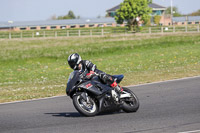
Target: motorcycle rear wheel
(83,107)
(130,104)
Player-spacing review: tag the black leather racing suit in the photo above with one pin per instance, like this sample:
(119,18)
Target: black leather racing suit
(89,66)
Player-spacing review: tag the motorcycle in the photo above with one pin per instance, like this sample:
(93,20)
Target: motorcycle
(91,96)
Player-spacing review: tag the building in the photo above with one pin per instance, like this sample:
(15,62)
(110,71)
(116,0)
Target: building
(186,20)
(156,10)
(57,24)
(166,19)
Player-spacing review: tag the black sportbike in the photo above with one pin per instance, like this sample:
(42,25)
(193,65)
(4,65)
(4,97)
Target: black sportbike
(91,96)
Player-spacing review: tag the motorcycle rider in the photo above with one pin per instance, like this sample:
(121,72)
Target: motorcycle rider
(76,63)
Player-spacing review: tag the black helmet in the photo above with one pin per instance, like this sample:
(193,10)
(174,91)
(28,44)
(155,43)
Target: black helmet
(74,60)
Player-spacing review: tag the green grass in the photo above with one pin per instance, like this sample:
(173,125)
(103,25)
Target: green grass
(35,68)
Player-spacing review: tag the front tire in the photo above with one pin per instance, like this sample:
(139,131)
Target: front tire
(130,104)
(83,107)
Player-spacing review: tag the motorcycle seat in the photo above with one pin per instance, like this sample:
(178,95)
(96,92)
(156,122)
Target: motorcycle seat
(118,77)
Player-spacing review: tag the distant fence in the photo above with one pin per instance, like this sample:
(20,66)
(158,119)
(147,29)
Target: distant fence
(172,29)
(94,32)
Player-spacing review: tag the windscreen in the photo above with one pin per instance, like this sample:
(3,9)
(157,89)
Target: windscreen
(70,76)
(74,77)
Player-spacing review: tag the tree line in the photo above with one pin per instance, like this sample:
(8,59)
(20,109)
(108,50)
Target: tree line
(69,15)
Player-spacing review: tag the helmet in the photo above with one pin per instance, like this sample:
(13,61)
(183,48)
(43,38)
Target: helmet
(74,60)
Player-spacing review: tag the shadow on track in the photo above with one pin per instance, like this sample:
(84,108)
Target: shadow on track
(76,114)
(65,114)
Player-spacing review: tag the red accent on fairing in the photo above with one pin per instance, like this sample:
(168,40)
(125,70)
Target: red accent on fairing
(114,84)
(88,85)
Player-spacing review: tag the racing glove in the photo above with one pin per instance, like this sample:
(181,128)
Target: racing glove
(89,75)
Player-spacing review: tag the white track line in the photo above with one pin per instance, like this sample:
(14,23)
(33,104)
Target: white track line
(31,100)
(126,86)
(165,81)
(194,131)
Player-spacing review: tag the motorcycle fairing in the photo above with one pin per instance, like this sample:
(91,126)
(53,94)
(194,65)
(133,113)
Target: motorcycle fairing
(94,87)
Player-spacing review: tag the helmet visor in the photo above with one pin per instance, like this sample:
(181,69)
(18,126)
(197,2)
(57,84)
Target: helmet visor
(73,64)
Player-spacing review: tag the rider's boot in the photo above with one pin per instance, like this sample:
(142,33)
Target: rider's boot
(116,87)
(116,92)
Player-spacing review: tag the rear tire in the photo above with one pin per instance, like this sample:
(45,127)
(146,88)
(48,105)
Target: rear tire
(130,104)
(84,108)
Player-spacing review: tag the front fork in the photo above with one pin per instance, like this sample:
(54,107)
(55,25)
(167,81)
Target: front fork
(84,95)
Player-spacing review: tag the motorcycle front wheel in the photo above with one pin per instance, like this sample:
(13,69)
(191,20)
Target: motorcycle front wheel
(84,107)
(130,104)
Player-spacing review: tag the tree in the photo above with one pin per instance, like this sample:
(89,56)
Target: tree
(133,10)
(175,11)
(197,13)
(157,19)
(70,15)
(60,17)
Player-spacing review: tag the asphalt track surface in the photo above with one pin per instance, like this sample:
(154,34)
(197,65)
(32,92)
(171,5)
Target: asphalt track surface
(165,107)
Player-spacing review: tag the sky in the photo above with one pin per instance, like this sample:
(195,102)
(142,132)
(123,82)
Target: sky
(37,10)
